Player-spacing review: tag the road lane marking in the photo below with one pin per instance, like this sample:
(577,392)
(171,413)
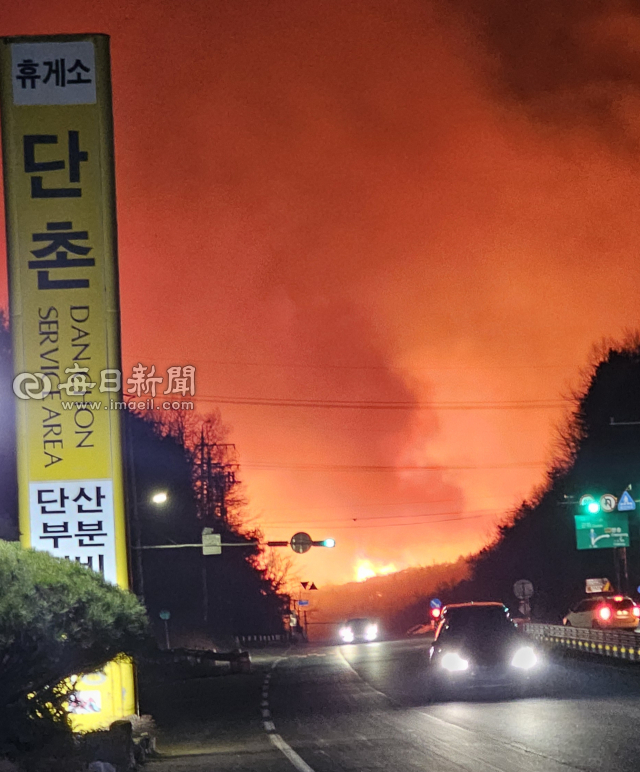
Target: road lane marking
(270,728)
(298,762)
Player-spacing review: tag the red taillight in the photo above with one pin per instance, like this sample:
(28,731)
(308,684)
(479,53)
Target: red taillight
(605,613)
(618,597)
(435,613)
(636,611)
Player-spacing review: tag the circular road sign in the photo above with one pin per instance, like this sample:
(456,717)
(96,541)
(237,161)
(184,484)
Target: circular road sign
(523,589)
(608,502)
(435,603)
(164,614)
(301,542)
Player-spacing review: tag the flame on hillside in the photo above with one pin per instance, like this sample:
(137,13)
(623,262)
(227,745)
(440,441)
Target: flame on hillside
(367,569)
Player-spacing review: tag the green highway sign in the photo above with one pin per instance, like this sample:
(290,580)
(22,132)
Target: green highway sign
(603,530)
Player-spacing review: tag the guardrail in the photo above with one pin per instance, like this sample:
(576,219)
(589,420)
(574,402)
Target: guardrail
(619,644)
(248,640)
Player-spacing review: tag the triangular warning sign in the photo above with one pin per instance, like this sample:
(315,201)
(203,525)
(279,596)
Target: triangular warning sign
(313,586)
(305,585)
(626,502)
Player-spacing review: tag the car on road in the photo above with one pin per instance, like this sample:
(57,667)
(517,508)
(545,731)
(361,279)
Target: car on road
(359,630)
(477,646)
(604,612)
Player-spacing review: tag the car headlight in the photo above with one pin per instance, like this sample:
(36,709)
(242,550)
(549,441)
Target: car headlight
(371,633)
(454,662)
(346,634)
(525,658)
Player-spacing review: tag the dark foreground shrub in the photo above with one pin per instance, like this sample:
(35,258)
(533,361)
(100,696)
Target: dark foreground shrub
(57,619)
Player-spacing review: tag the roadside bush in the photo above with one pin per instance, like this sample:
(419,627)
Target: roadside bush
(57,619)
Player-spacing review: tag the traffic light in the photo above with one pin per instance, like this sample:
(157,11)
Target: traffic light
(325,543)
(436,613)
(590,504)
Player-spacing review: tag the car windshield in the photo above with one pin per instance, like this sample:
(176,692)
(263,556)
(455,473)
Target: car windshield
(357,625)
(470,622)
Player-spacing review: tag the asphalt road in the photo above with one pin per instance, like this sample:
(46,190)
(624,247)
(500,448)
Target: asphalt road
(368,707)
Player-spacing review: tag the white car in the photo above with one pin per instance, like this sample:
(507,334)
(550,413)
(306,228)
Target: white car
(615,612)
(359,631)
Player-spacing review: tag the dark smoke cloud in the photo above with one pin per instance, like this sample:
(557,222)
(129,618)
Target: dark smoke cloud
(571,62)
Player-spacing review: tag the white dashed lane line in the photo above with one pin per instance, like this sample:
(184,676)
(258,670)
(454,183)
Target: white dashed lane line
(267,722)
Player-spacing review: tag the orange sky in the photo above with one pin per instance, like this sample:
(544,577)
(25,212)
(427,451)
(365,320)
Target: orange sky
(373,201)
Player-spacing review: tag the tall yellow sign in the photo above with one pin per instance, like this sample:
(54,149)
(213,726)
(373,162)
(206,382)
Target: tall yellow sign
(57,139)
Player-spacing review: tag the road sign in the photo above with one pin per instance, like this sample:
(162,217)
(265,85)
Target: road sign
(597,585)
(435,603)
(165,615)
(524,608)
(301,542)
(608,502)
(211,542)
(312,586)
(602,531)
(523,589)
(626,502)
(304,585)
(59,193)
(303,603)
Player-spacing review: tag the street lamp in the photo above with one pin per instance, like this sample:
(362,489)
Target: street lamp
(160,497)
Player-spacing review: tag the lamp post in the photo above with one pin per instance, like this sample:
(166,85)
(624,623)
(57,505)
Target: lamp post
(158,499)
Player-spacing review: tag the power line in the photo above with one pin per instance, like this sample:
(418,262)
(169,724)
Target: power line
(329,522)
(418,368)
(382,405)
(269,467)
(369,506)
(401,525)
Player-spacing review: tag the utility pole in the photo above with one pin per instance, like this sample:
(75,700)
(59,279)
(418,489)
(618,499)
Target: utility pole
(214,479)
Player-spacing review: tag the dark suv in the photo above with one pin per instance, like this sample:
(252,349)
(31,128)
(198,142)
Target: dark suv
(477,645)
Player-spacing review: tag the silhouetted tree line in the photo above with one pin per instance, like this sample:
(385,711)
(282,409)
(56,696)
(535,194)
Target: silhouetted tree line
(213,597)
(210,599)
(597,451)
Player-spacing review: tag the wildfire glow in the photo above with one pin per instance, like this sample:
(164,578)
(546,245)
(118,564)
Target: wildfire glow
(366,569)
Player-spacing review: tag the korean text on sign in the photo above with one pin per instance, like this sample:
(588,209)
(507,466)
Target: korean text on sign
(74,520)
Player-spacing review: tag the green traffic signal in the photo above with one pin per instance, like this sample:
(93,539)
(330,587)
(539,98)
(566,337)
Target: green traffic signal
(590,504)
(324,543)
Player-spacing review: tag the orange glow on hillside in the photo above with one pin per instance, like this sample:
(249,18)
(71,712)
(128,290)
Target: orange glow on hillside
(367,569)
